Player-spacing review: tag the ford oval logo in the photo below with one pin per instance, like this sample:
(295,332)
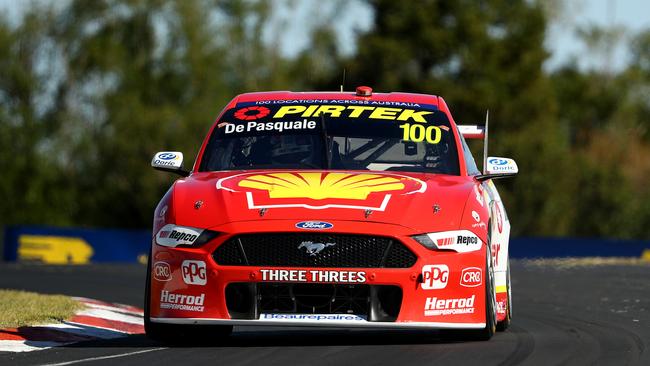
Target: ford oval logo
(497,161)
(314,225)
(167,156)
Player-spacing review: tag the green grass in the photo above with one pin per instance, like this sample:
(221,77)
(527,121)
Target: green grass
(20,308)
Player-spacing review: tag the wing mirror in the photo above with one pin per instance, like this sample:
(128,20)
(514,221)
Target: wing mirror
(169,161)
(498,168)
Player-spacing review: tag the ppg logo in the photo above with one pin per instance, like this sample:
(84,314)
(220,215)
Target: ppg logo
(435,277)
(194,272)
(167,156)
(162,272)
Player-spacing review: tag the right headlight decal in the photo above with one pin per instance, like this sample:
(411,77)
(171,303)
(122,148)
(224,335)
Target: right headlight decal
(461,241)
(174,236)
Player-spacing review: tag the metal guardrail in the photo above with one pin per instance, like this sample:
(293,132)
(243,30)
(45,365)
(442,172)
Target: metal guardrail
(577,247)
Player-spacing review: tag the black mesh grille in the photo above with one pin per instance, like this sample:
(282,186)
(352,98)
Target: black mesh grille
(399,257)
(314,250)
(376,303)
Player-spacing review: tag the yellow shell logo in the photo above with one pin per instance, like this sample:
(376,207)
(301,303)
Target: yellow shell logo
(318,186)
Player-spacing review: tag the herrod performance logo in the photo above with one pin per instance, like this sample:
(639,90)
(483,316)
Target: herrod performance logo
(172,301)
(434,306)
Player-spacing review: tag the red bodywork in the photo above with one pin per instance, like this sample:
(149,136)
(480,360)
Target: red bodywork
(420,203)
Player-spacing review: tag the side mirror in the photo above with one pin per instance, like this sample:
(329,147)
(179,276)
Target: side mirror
(498,168)
(169,161)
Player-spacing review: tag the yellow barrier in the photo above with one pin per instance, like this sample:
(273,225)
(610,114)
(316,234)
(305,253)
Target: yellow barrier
(646,255)
(54,249)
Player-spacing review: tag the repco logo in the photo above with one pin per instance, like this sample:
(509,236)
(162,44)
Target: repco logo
(162,272)
(467,240)
(194,272)
(182,236)
(435,277)
(471,277)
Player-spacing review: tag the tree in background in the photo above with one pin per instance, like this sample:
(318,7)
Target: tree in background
(90,90)
(605,117)
(478,56)
(130,78)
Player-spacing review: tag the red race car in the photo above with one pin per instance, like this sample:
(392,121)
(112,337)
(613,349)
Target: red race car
(333,210)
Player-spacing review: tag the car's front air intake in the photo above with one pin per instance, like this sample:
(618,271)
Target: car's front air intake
(315,250)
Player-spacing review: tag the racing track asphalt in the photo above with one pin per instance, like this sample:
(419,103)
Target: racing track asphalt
(578,315)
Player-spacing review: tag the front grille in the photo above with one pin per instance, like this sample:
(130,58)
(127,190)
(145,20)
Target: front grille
(314,250)
(308,298)
(378,303)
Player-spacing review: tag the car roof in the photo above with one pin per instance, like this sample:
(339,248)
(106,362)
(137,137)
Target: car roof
(379,97)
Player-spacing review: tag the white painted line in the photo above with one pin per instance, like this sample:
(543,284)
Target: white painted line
(111,315)
(124,334)
(87,330)
(113,308)
(26,346)
(103,357)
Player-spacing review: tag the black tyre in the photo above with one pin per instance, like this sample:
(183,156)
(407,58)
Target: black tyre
(505,323)
(490,311)
(177,333)
(490,304)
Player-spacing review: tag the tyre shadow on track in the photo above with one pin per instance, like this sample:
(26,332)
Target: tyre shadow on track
(290,338)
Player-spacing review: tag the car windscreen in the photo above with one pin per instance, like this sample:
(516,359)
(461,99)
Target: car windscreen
(329,134)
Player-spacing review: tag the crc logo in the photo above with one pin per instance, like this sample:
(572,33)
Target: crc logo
(314,248)
(435,276)
(194,272)
(471,277)
(162,272)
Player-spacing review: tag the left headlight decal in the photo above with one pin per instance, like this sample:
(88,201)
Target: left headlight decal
(174,236)
(461,241)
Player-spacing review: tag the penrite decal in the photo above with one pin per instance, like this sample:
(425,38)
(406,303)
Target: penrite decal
(319,190)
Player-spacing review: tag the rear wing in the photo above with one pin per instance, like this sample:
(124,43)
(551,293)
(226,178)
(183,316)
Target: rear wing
(472,131)
(478,132)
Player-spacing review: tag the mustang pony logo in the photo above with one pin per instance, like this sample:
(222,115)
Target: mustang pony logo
(314,248)
(319,190)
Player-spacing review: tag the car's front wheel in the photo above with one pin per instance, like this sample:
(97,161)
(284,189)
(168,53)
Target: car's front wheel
(505,323)
(488,331)
(490,302)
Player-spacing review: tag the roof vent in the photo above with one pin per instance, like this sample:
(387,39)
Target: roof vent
(364,91)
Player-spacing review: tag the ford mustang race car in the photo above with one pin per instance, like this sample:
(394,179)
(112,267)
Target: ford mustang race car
(350,209)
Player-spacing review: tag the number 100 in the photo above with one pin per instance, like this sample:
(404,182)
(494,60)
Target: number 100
(418,133)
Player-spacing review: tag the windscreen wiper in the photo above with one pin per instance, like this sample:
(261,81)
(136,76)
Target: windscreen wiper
(326,143)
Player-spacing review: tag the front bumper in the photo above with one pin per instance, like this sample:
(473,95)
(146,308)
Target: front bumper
(320,323)
(198,290)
